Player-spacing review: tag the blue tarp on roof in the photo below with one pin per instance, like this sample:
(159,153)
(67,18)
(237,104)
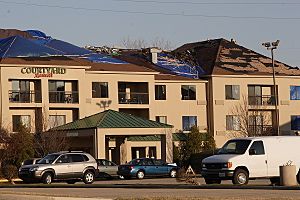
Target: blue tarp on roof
(72,50)
(179,67)
(17,46)
(67,48)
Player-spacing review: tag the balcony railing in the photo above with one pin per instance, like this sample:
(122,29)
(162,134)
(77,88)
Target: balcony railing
(133,98)
(17,96)
(63,97)
(261,130)
(266,100)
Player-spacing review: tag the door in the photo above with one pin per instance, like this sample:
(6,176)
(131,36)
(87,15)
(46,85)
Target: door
(258,166)
(161,168)
(78,165)
(148,167)
(63,168)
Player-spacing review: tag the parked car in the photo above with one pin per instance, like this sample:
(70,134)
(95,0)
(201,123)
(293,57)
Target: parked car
(67,166)
(107,169)
(30,161)
(143,167)
(243,159)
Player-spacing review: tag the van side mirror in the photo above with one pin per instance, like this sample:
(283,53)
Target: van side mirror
(252,152)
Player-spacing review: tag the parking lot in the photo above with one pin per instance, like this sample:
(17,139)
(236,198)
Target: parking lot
(159,188)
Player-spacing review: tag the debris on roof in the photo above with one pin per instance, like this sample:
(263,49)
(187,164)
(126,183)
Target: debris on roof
(221,56)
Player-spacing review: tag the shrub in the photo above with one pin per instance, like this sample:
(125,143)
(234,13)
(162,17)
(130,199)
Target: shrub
(9,172)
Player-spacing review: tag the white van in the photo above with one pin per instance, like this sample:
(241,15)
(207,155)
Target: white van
(242,159)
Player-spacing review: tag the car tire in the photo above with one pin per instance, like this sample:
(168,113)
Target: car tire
(140,174)
(173,173)
(240,177)
(88,177)
(212,181)
(71,181)
(47,178)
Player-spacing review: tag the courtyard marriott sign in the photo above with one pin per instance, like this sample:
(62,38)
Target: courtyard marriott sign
(43,71)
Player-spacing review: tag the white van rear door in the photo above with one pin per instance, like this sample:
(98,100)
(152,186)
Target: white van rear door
(257,164)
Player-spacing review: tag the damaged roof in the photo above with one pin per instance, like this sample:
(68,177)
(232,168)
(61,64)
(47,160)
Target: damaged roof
(223,57)
(174,71)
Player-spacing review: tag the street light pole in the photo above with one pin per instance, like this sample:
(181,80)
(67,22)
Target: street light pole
(271,46)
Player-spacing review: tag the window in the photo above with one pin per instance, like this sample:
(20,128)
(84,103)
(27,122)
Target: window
(188,92)
(161,119)
(232,92)
(295,92)
(258,146)
(158,162)
(232,123)
(235,147)
(295,122)
(77,158)
(188,122)
(63,159)
(20,120)
(160,92)
(56,120)
(20,91)
(99,90)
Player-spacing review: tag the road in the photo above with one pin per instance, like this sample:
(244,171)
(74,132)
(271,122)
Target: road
(166,188)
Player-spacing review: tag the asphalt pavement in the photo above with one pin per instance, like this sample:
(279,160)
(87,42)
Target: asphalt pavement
(158,188)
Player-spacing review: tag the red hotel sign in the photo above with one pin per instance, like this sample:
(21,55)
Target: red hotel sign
(43,71)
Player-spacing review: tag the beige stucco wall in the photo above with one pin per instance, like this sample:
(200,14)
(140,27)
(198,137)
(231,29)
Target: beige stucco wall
(223,107)
(14,72)
(174,108)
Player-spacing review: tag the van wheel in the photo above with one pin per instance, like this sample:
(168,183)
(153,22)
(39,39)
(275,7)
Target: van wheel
(275,181)
(298,177)
(47,178)
(212,181)
(240,177)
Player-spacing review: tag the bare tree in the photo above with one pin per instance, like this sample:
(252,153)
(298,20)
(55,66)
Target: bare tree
(159,42)
(134,43)
(47,140)
(250,120)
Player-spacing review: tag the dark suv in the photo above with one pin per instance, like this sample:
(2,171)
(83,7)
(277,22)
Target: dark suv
(67,166)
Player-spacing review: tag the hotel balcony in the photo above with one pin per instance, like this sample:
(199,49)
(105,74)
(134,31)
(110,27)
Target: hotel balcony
(17,96)
(261,130)
(133,93)
(63,97)
(267,100)
(133,98)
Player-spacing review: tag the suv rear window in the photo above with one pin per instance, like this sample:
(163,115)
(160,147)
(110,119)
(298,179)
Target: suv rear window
(85,158)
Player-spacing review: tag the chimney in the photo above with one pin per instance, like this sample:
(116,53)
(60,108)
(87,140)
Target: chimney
(154,51)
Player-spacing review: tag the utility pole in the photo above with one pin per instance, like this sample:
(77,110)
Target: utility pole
(271,46)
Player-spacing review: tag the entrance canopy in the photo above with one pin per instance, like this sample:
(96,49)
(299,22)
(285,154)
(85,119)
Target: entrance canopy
(111,119)
(117,126)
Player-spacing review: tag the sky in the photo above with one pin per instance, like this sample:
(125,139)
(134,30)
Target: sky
(108,22)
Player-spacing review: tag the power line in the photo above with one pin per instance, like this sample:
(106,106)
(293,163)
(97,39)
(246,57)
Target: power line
(209,3)
(182,14)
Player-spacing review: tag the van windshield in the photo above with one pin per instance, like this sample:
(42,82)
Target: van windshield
(235,147)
